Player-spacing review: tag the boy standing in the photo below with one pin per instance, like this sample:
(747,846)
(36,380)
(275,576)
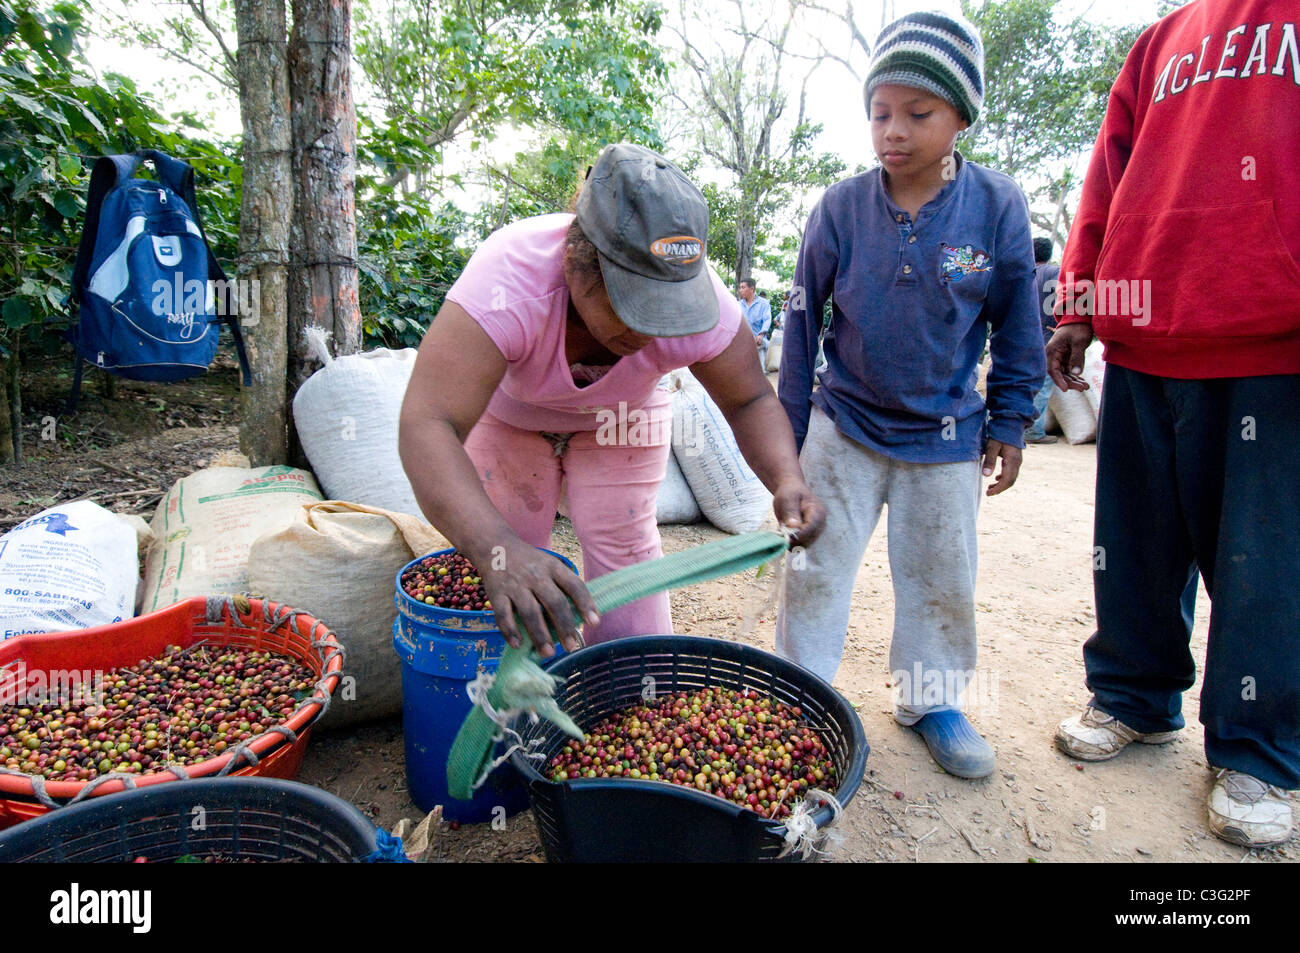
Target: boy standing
(921,258)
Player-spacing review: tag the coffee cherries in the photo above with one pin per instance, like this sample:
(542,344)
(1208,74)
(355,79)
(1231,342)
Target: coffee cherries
(449,581)
(738,745)
(183,708)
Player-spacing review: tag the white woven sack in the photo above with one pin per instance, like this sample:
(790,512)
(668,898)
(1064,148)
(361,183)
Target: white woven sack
(1074,415)
(681,379)
(71,566)
(1094,370)
(774,350)
(676,503)
(728,492)
(346,415)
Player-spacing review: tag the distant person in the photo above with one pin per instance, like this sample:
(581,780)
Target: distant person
(921,259)
(1192,206)
(1045,278)
(758,312)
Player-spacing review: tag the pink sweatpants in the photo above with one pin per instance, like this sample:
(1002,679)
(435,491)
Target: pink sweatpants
(612,492)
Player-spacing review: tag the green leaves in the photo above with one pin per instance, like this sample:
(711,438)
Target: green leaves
(17,312)
(48,35)
(560,77)
(34,176)
(408,259)
(25,102)
(1047,81)
(553,68)
(66,203)
(54,111)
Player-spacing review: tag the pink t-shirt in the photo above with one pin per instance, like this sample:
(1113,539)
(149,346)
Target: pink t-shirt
(514,288)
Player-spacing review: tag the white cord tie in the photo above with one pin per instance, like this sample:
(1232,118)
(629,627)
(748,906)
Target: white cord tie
(802,835)
(477,691)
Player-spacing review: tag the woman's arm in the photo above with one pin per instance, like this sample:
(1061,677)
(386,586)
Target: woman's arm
(762,430)
(457,370)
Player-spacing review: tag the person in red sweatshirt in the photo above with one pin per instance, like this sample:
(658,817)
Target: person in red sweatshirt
(1183,261)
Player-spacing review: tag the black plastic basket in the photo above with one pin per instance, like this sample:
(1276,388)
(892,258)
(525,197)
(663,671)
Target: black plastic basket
(236,819)
(621,819)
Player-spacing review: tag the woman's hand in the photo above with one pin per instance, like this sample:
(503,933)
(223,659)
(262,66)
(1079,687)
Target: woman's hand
(797,508)
(456,372)
(762,431)
(528,586)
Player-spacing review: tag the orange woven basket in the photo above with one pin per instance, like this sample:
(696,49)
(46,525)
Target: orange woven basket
(232,621)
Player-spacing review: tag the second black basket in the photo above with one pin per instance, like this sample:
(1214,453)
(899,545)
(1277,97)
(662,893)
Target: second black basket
(226,819)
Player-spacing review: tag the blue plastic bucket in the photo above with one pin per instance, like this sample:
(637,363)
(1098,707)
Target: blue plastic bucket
(442,651)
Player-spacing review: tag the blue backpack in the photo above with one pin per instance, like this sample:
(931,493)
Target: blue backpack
(151,296)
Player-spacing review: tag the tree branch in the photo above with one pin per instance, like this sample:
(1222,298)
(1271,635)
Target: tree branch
(223,79)
(855,34)
(199,8)
(444,134)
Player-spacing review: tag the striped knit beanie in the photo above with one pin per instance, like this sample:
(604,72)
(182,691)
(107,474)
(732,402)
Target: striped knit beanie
(936,52)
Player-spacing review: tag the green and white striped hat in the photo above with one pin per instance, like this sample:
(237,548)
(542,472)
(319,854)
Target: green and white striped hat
(937,52)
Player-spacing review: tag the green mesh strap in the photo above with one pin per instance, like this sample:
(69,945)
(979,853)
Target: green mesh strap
(521,684)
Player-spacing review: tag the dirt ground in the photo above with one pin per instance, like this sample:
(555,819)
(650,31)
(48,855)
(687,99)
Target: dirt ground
(1034,600)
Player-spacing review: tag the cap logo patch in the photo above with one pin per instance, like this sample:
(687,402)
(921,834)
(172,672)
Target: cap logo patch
(677,249)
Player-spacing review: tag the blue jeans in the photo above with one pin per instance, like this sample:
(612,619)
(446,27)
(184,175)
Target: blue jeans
(1039,427)
(1182,483)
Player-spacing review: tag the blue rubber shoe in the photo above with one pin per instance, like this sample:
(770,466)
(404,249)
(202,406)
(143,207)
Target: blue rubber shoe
(955,745)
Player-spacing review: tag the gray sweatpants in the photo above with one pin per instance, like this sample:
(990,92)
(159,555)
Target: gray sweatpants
(932,558)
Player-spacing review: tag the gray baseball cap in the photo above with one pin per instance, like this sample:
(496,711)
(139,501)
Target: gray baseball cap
(649,225)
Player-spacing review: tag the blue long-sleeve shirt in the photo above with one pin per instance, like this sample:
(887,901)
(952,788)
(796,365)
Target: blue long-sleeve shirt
(758,313)
(912,303)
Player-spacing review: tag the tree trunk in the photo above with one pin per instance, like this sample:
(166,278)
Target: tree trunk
(323,266)
(1062,195)
(6,425)
(744,246)
(13,387)
(265,215)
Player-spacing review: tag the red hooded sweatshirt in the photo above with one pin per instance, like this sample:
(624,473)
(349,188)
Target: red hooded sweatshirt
(1184,251)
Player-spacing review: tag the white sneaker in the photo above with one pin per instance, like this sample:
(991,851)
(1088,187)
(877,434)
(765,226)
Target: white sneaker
(1246,811)
(1096,736)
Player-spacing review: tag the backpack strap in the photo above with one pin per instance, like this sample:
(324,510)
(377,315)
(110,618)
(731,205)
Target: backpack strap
(74,398)
(176,174)
(107,174)
(179,177)
(233,323)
